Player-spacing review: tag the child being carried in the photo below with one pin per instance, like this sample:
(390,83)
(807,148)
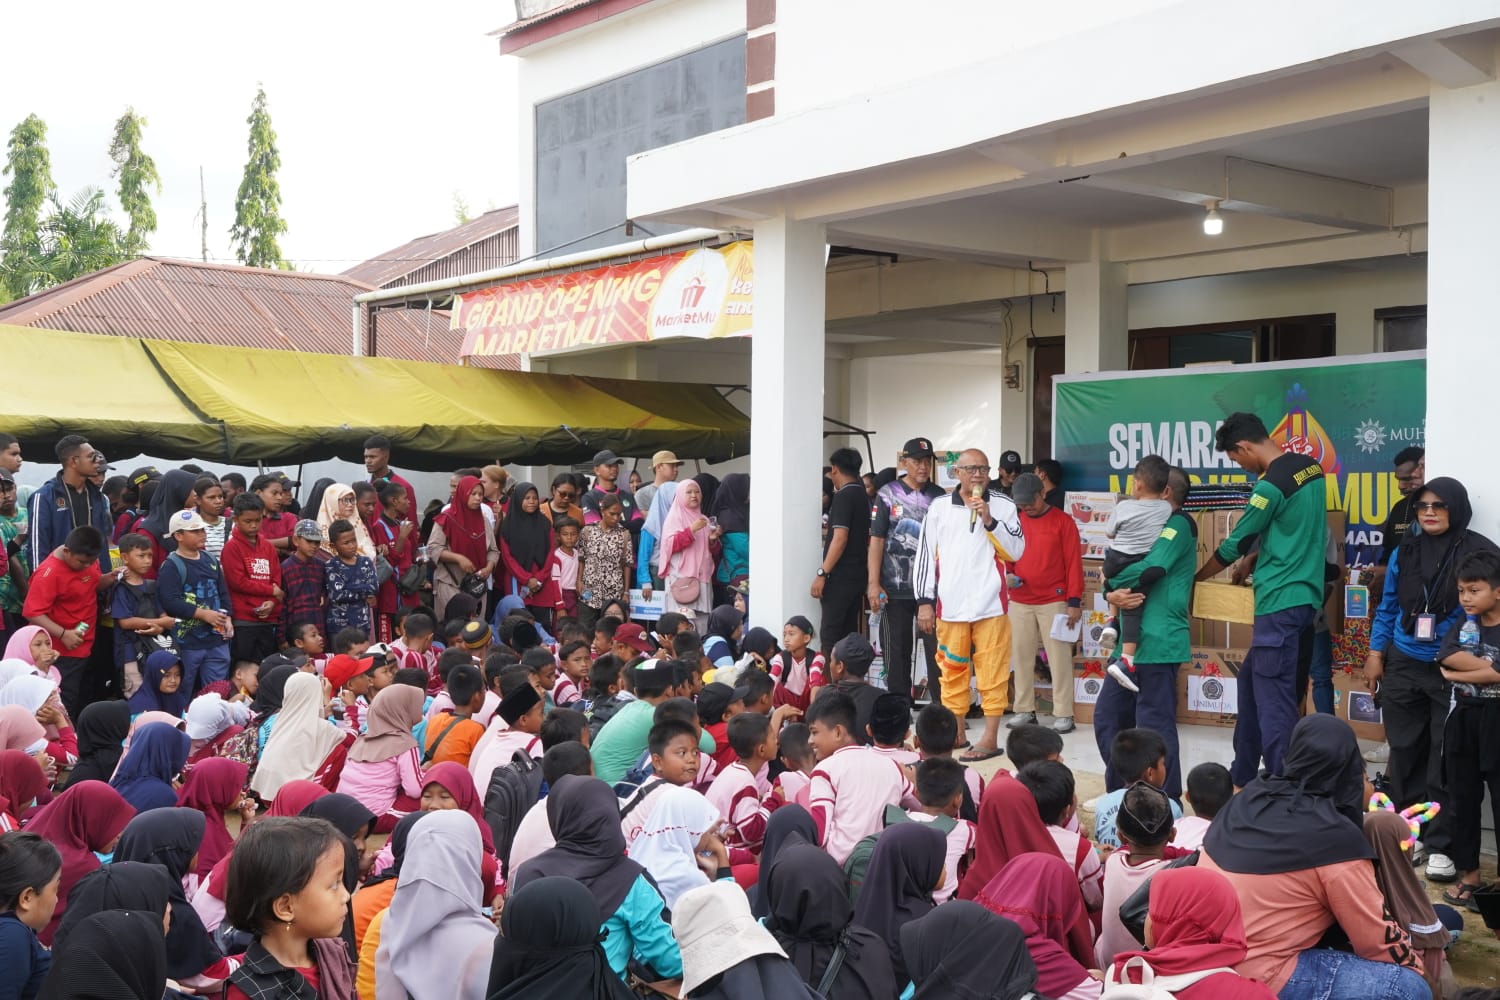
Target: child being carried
(1133,528)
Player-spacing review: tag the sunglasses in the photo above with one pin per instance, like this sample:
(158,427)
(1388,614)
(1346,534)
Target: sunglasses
(566,494)
(1434,505)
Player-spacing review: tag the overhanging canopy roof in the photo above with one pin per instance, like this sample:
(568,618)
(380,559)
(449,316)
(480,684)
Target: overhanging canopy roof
(240,405)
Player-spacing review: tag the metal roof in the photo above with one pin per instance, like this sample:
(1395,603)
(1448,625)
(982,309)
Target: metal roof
(194,302)
(389,267)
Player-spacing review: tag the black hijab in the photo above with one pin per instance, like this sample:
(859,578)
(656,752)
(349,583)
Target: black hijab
(788,826)
(1428,564)
(268,695)
(585,818)
(759,640)
(811,916)
(120,885)
(732,505)
(101,730)
(898,886)
(169,498)
(399,837)
(116,955)
(548,948)
(171,838)
(314,501)
(348,815)
(723,620)
(708,485)
(528,537)
(1309,816)
(757,976)
(962,951)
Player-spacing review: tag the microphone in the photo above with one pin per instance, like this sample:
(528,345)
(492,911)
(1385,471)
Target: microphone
(977,492)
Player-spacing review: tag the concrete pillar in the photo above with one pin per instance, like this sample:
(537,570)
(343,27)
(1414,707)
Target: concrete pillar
(1463,297)
(786,412)
(1097,321)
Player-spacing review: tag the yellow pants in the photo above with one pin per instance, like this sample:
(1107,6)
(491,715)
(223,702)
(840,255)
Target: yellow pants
(982,646)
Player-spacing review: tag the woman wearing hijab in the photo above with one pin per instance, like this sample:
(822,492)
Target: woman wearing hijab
(19,730)
(39,696)
(646,576)
(722,641)
(120,954)
(302,741)
(213,788)
(126,885)
(585,818)
(375,895)
(170,838)
(1193,927)
(529,552)
(31,644)
(1009,825)
(961,951)
(314,501)
(1404,893)
(355,823)
(731,508)
(270,693)
(21,781)
(788,827)
(667,845)
(174,494)
(708,483)
(812,919)
(905,869)
(1293,847)
(145,776)
(549,949)
(684,555)
(726,954)
(211,722)
(150,697)
(338,505)
(436,943)
(85,819)
(1040,893)
(384,769)
(461,544)
(102,728)
(140,722)
(1421,581)
(450,786)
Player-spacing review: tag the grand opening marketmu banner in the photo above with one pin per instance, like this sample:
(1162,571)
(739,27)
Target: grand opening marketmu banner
(1353,414)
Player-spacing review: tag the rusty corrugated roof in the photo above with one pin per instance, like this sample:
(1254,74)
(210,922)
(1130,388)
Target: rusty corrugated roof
(387,267)
(521,24)
(194,302)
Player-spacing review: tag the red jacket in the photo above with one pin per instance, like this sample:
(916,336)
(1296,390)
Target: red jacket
(1051,568)
(251,572)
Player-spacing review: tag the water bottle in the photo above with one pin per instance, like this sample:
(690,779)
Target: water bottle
(1468,634)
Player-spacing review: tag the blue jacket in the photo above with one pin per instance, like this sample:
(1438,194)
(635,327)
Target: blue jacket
(638,930)
(1387,629)
(51,517)
(24,959)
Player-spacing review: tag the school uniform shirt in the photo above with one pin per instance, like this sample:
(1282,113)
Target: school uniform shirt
(738,798)
(900,755)
(1286,513)
(849,791)
(424,659)
(184,585)
(441,702)
(565,693)
(897,517)
(533,836)
(792,786)
(252,572)
(1122,877)
(959,570)
(1190,832)
(497,748)
(401,555)
(377,783)
(1083,857)
(565,570)
(305,582)
(960,844)
(350,586)
(68,597)
(1107,810)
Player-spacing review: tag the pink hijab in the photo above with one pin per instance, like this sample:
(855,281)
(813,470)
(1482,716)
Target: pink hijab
(696,560)
(19,648)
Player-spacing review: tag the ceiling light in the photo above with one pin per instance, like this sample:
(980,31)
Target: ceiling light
(1213,223)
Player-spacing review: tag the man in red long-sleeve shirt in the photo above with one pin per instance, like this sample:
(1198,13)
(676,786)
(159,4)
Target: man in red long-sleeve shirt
(1050,584)
(253,573)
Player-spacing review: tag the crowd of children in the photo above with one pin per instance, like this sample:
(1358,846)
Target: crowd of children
(305,790)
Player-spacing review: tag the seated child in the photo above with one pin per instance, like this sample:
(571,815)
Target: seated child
(798,669)
(890,722)
(352,681)
(757,690)
(667,627)
(604,635)
(940,792)
(1133,527)
(573,676)
(413,648)
(1145,827)
(852,784)
(541,666)
(1208,789)
(716,705)
(605,687)
(452,734)
(1136,755)
(684,710)
(630,642)
(28,899)
(735,791)
(307,639)
(796,757)
(1030,743)
(673,745)
(514,729)
(451,658)
(1051,784)
(477,638)
(936,735)
(564,725)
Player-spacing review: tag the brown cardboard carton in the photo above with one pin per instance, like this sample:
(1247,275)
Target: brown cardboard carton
(1224,602)
(1207,687)
(1354,704)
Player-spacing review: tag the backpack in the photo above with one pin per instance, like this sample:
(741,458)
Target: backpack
(1151,986)
(514,788)
(147,606)
(859,858)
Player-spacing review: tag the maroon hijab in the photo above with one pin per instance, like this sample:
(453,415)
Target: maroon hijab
(1040,893)
(465,529)
(213,787)
(85,818)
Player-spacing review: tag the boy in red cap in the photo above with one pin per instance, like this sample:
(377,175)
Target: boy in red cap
(351,679)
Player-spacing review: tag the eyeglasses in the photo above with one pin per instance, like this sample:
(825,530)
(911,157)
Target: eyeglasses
(1434,505)
(566,494)
(973,468)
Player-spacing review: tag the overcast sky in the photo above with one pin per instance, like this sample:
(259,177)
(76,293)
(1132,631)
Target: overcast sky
(382,111)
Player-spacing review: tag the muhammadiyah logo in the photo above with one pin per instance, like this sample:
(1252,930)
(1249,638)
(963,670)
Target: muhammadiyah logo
(1370,436)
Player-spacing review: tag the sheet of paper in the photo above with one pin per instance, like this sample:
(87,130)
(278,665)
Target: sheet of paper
(1063,632)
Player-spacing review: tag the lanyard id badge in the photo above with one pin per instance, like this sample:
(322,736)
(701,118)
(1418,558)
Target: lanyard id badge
(1424,627)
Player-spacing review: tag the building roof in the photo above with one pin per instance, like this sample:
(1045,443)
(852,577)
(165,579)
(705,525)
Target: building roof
(383,269)
(193,302)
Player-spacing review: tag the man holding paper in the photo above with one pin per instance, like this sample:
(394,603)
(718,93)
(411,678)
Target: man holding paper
(1046,585)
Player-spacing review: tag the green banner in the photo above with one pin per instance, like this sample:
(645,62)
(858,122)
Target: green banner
(1352,414)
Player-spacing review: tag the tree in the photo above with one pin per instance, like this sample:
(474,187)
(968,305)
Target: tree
(461,213)
(29,167)
(136,172)
(257,208)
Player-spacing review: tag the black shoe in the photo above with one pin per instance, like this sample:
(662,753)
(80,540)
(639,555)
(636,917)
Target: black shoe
(974,712)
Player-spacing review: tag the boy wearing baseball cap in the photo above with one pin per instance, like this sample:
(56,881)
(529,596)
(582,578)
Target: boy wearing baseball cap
(630,643)
(351,679)
(304,578)
(192,589)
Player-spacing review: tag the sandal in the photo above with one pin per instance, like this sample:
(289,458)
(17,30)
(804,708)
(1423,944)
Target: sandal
(975,756)
(1462,895)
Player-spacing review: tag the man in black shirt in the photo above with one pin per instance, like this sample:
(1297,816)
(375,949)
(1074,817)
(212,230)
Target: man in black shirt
(1411,474)
(844,573)
(1050,469)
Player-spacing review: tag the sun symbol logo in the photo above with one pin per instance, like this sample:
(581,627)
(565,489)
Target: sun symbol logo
(1370,436)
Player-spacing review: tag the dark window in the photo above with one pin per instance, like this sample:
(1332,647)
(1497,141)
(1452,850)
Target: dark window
(1403,328)
(1292,338)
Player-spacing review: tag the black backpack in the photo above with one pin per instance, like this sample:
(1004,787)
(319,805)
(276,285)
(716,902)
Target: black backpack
(514,789)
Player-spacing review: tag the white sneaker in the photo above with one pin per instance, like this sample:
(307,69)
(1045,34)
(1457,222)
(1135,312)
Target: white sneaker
(1379,755)
(1108,637)
(1440,868)
(1120,671)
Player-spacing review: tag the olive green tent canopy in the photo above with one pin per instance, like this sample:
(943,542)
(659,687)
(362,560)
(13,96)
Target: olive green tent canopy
(243,406)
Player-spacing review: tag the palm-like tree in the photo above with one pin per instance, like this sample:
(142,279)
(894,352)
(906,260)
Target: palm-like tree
(75,239)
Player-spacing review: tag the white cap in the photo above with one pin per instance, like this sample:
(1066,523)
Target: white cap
(187,520)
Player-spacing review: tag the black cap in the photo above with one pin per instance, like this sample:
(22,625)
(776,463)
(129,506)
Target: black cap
(801,622)
(917,448)
(855,653)
(6,477)
(607,457)
(290,658)
(144,474)
(520,701)
(286,480)
(1010,461)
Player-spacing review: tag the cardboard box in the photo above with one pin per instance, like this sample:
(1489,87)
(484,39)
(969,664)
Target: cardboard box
(1091,511)
(1207,687)
(1224,602)
(1353,702)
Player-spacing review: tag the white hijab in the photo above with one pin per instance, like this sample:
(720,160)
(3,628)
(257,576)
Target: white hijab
(11,669)
(436,943)
(667,845)
(30,692)
(301,739)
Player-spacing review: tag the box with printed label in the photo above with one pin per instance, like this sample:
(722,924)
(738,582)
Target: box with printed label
(1207,687)
(1353,702)
(1091,511)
